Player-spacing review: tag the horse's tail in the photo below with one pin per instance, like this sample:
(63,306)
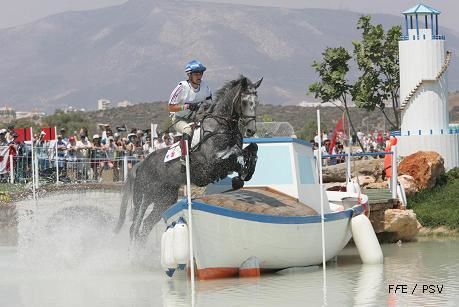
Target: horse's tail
(127,191)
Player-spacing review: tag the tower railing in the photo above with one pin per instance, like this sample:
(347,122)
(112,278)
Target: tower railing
(443,69)
(434,37)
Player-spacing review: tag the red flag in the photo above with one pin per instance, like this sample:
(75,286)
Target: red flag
(339,127)
(50,134)
(23,134)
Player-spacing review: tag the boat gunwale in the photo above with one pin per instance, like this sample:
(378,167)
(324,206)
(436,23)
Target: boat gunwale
(259,217)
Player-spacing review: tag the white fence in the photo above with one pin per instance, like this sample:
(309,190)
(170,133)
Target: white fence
(42,166)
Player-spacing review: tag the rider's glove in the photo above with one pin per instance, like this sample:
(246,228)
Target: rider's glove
(193,106)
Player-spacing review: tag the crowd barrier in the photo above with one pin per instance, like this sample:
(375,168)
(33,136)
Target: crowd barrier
(41,166)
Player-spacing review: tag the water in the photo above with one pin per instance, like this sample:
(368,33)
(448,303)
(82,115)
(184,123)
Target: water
(68,256)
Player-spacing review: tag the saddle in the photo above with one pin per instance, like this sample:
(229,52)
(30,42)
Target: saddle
(176,150)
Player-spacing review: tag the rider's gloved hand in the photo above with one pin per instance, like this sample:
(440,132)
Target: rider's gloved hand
(193,106)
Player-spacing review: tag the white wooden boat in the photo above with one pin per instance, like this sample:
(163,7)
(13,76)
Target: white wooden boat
(275,218)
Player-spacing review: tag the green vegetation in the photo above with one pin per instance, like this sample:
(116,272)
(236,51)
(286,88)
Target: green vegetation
(333,85)
(7,190)
(439,206)
(376,56)
(377,59)
(70,121)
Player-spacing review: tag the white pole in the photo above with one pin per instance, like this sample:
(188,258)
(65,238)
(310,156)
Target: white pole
(56,156)
(394,172)
(349,173)
(322,210)
(33,165)
(190,221)
(37,171)
(153,135)
(11,169)
(125,166)
(37,175)
(152,128)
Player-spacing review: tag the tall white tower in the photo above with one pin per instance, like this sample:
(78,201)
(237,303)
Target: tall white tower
(423,87)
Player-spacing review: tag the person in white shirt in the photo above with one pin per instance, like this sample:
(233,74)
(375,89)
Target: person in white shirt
(187,97)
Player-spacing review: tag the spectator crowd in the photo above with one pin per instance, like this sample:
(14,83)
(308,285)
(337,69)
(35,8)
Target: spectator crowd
(373,141)
(79,156)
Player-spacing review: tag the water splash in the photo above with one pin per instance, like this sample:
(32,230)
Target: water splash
(74,233)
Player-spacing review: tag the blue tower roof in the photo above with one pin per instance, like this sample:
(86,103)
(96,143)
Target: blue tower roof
(421,9)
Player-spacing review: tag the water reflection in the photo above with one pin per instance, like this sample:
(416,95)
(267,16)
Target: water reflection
(369,285)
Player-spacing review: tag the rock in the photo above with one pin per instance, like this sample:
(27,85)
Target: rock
(409,184)
(426,167)
(378,185)
(401,223)
(337,173)
(363,181)
(335,186)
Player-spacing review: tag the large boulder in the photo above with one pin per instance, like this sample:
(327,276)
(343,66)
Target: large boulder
(337,173)
(426,167)
(401,224)
(409,184)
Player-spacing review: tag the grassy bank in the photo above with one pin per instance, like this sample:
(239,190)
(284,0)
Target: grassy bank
(8,190)
(439,206)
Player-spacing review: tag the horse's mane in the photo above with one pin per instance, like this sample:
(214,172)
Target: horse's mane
(228,86)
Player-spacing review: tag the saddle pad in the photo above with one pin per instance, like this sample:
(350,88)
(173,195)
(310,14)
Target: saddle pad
(173,153)
(196,137)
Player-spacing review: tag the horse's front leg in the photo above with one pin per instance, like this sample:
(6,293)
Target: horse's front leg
(250,157)
(235,150)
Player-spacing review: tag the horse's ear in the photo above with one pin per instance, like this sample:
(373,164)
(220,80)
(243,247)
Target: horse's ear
(257,84)
(244,82)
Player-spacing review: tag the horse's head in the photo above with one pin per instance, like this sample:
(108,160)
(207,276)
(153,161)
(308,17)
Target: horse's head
(238,100)
(246,107)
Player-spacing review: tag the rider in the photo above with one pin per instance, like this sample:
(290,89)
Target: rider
(187,97)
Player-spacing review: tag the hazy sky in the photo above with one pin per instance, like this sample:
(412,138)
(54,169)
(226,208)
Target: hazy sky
(17,12)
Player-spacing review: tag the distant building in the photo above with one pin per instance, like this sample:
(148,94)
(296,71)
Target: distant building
(7,114)
(103,104)
(314,104)
(274,129)
(69,109)
(124,103)
(33,115)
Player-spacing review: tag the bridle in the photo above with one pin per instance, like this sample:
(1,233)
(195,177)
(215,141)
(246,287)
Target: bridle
(231,122)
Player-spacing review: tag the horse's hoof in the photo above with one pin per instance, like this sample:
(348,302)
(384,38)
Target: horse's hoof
(237,183)
(181,267)
(170,272)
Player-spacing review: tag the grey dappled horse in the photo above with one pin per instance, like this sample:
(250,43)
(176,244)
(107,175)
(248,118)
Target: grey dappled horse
(219,152)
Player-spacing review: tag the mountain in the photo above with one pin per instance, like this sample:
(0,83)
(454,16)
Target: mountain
(137,50)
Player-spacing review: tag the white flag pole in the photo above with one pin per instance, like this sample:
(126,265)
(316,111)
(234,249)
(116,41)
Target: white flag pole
(33,164)
(11,168)
(153,135)
(322,223)
(190,221)
(125,166)
(55,156)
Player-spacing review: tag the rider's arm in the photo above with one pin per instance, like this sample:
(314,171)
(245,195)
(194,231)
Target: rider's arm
(176,100)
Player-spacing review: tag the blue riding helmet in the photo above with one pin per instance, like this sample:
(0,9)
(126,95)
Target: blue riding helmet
(194,66)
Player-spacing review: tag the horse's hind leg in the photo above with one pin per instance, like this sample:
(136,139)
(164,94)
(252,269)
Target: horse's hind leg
(140,207)
(161,203)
